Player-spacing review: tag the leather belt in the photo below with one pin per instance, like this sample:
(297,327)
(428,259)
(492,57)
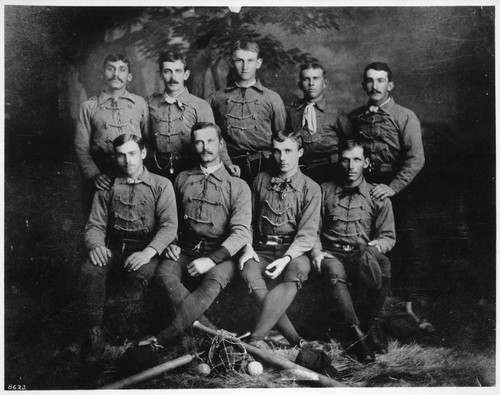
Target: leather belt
(128,244)
(380,167)
(174,155)
(324,161)
(251,155)
(275,240)
(343,246)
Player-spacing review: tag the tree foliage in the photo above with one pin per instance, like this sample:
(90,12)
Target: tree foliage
(205,34)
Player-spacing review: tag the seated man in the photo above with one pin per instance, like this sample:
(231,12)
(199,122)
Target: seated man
(129,227)
(215,214)
(286,216)
(356,230)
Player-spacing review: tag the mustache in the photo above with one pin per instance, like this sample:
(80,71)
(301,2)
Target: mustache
(374,91)
(115,78)
(205,152)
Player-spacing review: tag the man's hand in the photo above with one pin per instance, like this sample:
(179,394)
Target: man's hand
(173,252)
(234,170)
(137,259)
(248,253)
(382,191)
(99,256)
(102,182)
(317,257)
(375,243)
(275,268)
(200,266)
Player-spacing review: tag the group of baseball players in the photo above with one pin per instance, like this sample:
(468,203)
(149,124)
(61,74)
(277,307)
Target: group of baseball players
(191,193)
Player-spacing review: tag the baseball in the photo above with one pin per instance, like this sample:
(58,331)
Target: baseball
(203,369)
(255,368)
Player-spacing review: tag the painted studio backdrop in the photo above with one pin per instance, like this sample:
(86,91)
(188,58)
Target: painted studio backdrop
(442,59)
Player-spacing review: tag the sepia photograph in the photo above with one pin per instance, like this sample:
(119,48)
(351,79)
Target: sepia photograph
(278,197)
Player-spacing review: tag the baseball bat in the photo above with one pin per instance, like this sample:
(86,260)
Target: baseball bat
(152,372)
(300,372)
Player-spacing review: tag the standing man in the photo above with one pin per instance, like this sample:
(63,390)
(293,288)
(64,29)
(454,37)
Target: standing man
(356,230)
(320,123)
(129,227)
(397,156)
(286,219)
(172,114)
(247,112)
(103,118)
(215,213)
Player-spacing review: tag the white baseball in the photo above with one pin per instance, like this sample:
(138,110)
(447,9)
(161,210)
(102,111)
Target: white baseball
(203,369)
(255,368)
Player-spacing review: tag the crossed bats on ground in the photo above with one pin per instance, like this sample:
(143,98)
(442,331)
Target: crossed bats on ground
(265,356)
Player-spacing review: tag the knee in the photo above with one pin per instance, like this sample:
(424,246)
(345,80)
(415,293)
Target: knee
(222,273)
(333,271)
(297,271)
(253,277)
(90,271)
(167,273)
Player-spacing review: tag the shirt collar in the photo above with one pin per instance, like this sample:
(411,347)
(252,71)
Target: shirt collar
(321,104)
(211,169)
(294,179)
(145,177)
(180,96)
(385,106)
(103,97)
(218,173)
(363,189)
(257,86)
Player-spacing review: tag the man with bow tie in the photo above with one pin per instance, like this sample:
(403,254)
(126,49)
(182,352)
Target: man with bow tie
(285,221)
(103,118)
(397,155)
(247,112)
(172,115)
(356,231)
(215,213)
(129,227)
(320,123)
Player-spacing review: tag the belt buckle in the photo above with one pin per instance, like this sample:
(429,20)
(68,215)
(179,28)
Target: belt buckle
(347,247)
(272,240)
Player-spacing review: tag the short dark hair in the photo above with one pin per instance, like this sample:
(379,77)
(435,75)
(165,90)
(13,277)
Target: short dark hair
(347,145)
(116,57)
(245,44)
(126,137)
(311,65)
(171,56)
(204,125)
(379,66)
(294,135)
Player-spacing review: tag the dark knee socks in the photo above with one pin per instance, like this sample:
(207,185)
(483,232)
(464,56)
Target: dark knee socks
(343,300)
(274,305)
(193,306)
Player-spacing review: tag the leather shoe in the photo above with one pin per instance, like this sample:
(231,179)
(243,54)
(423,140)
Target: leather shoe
(362,350)
(377,337)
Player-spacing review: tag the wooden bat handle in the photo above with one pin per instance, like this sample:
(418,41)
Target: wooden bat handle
(300,372)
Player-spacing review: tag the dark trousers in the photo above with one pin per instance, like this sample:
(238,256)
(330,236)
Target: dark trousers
(94,283)
(176,284)
(365,266)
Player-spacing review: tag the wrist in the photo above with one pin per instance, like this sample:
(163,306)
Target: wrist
(150,252)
